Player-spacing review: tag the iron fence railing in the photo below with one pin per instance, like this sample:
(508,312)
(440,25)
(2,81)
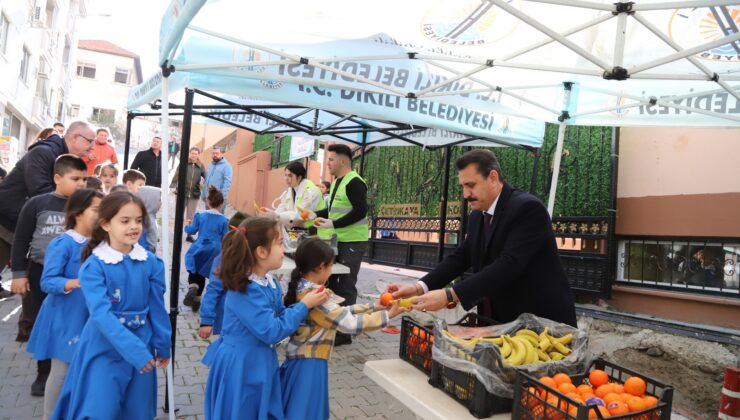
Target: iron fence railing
(691,264)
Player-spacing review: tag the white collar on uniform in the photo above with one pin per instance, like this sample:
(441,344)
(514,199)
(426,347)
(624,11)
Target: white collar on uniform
(214,211)
(263,281)
(76,236)
(110,256)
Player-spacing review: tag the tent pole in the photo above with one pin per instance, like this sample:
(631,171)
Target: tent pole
(535,170)
(362,155)
(169,406)
(559,147)
(127,143)
(443,210)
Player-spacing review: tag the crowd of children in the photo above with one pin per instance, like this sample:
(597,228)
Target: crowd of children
(86,254)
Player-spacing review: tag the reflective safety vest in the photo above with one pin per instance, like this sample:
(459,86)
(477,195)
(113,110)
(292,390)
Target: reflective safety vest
(340,207)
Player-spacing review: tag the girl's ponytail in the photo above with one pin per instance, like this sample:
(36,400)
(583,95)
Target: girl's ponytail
(238,247)
(291,296)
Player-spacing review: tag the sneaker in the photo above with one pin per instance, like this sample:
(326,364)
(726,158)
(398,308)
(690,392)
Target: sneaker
(190,296)
(342,339)
(189,239)
(38,386)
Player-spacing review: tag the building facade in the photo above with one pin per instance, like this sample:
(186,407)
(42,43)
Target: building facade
(38,45)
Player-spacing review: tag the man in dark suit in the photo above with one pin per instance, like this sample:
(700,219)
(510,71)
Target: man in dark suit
(511,248)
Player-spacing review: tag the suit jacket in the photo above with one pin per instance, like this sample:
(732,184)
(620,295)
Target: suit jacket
(516,268)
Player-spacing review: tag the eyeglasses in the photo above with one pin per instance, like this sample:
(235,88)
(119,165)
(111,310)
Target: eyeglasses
(88,140)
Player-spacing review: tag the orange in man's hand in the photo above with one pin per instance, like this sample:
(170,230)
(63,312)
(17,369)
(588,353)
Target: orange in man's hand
(386,299)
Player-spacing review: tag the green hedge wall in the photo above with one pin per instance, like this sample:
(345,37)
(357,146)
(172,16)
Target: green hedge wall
(403,175)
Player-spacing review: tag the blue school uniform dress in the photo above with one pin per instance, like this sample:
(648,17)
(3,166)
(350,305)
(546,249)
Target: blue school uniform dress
(243,382)
(58,326)
(211,226)
(212,302)
(128,327)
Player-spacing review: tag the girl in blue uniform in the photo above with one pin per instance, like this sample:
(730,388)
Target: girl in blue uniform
(211,227)
(212,304)
(63,313)
(304,375)
(112,373)
(243,382)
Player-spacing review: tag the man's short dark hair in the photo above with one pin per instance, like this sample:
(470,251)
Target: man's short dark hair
(132,175)
(484,160)
(196,148)
(341,149)
(102,129)
(58,124)
(220,148)
(67,163)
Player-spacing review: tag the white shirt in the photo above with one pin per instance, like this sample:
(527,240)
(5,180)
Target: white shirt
(491,210)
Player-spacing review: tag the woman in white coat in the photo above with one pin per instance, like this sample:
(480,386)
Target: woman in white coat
(301,192)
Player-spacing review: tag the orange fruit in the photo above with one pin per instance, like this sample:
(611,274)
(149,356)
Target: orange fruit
(636,404)
(603,390)
(584,389)
(562,378)
(625,396)
(566,387)
(618,388)
(650,401)
(598,377)
(386,299)
(618,407)
(635,386)
(611,397)
(604,412)
(587,395)
(549,382)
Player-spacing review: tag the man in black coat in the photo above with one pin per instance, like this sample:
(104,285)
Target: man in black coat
(34,175)
(510,247)
(149,162)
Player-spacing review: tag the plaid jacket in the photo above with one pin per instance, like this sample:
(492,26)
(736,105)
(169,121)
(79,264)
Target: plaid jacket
(314,338)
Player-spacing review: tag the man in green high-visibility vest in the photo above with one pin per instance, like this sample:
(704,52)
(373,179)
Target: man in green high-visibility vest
(347,217)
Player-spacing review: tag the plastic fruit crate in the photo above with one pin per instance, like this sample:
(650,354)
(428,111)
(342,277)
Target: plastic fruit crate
(533,405)
(416,344)
(465,387)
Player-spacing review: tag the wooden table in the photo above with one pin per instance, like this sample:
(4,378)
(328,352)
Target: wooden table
(411,387)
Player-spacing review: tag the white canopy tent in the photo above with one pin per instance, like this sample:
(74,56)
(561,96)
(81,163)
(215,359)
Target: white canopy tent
(482,68)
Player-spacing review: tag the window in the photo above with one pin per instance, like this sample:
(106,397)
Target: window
(121,76)
(4,24)
(25,62)
(86,70)
(60,105)
(693,264)
(103,116)
(74,111)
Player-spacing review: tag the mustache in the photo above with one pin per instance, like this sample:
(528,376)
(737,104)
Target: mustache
(471,199)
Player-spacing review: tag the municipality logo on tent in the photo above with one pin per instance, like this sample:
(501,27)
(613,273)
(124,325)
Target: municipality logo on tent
(468,22)
(253,57)
(699,25)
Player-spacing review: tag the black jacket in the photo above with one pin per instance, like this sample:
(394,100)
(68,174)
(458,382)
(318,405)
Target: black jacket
(32,175)
(151,165)
(193,179)
(516,269)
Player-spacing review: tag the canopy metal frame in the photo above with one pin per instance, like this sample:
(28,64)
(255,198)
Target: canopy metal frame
(614,70)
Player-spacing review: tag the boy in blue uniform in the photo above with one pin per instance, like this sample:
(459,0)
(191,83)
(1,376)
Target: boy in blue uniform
(42,219)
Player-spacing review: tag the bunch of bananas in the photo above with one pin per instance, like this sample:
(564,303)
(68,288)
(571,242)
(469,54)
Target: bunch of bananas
(523,348)
(527,347)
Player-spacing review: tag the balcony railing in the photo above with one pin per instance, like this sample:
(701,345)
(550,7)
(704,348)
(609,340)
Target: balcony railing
(697,265)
